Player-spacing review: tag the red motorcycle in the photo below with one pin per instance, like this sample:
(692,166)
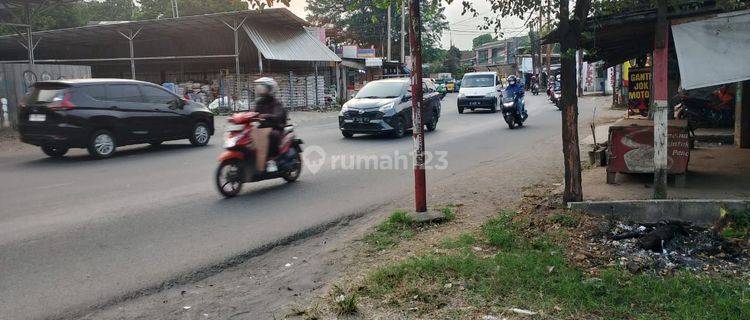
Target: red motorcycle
(237,163)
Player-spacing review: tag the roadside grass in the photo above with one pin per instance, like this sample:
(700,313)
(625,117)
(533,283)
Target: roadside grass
(398,226)
(344,303)
(566,220)
(532,273)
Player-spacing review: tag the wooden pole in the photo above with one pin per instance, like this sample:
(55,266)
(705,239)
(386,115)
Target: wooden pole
(660,57)
(570,32)
(415,42)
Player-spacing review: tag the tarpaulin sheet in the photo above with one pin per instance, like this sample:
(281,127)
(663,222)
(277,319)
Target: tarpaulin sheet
(713,51)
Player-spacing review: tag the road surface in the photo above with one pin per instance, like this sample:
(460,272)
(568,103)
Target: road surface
(76,233)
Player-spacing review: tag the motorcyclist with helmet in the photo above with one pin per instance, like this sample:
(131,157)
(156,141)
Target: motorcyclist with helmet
(515,89)
(274,116)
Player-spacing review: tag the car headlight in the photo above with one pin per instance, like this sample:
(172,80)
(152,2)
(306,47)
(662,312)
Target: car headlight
(461,95)
(386,107)
(508,104)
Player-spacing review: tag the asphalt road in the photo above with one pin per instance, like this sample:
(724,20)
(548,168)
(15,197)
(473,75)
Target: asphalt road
(75,232)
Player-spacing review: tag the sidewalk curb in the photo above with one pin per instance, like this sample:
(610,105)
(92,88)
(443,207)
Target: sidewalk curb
(702,212)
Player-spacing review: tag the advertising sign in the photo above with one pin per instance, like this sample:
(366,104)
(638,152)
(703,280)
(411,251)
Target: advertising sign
(639,90)
(373,62)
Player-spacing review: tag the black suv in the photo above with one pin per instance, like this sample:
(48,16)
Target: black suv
(102,114)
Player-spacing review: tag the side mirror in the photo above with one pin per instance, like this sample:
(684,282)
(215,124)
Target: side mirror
(406,98)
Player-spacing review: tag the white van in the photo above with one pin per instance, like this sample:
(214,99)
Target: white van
(480,90)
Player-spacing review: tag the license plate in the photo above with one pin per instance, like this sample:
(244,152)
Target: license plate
(474,103)
(362,120)
(38,117)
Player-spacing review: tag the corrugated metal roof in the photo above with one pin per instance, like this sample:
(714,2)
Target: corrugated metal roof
(276,42)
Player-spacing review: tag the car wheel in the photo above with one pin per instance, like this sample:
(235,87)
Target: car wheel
(229,178)
(200,136)
(460,110)
(102,144)
(398,128)
(293,174)
(432,125)
(54,152)
(347,134)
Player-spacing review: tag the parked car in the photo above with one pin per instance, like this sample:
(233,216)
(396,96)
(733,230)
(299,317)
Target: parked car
(479,90)
(103,114)
(384,107)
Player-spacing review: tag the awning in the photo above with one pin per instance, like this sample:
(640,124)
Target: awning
(713,51)
(278,43)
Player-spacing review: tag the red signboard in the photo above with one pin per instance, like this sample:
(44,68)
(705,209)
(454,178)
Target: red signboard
(631,147)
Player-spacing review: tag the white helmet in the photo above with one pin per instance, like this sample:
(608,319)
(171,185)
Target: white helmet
(265,86)
(558,77)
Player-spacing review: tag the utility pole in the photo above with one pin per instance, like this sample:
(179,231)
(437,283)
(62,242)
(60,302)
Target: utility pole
(388,30)
(403,31)
(415,42)
(660,57)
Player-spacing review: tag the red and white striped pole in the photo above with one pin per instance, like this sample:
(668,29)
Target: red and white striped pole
(415,42)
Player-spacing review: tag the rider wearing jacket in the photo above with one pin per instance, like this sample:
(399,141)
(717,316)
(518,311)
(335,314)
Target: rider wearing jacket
(515,89)
(274,119)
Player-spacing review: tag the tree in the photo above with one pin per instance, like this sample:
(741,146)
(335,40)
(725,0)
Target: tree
(452,61)
(151,9)
(480,40)
(363,22)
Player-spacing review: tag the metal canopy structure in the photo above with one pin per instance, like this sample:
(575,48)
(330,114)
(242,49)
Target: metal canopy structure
(209,36)
(19,16)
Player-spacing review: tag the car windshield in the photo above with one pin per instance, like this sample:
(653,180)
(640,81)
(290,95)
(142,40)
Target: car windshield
(473,81)
(381,89)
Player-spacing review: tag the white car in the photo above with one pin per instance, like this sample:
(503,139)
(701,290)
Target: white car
(480,90)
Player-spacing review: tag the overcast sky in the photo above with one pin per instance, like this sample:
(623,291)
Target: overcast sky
(463,28)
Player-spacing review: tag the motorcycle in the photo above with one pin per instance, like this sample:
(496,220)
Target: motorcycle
(557,99)
(535,89)
(237,163)
(510,111)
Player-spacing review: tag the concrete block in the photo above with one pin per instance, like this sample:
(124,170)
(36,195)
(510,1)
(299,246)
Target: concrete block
(702,212)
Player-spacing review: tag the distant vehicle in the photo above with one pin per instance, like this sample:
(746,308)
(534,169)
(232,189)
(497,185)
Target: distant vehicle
(441,89)
(103,114)
(384,107)
(479,90)
(450,85)
(431,83)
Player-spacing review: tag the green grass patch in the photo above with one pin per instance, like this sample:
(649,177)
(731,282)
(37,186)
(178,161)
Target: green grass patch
(564,219)
(344,303)
(449,214)
(399,225)
(462,241)
(533,274)
(500,231)
(738,224)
